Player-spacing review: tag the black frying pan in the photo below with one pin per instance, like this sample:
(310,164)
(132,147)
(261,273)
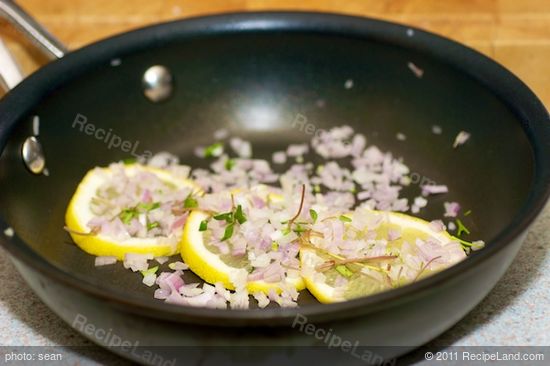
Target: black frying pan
(253,73)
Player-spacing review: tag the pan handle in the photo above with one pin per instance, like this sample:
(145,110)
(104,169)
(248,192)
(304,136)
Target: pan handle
(10,75)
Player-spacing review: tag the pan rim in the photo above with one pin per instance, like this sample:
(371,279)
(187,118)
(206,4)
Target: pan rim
(528,109)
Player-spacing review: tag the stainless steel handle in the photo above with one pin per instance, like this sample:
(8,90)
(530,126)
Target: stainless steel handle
(9,72)
(29,27)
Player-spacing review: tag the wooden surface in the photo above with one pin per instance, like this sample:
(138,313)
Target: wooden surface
(516,33)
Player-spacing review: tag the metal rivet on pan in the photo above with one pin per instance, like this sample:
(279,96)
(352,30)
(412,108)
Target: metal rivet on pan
(157,83)
(33,155)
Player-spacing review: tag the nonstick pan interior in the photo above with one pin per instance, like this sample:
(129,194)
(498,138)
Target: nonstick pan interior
(262,86)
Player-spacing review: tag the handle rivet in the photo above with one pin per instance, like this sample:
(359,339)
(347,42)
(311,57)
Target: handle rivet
(157,83)
(33,155)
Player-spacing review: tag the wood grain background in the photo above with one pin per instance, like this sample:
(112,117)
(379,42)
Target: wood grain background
(516,33)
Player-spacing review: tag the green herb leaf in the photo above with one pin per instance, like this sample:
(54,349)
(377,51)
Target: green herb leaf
(190,202)
(228,216)
(203,226)
(148,206)
(127,215)
(299,229)
(313,215)
(465,244)
(286,231)
(129,161)
(344,218)
(461,228)
(239,215)
(229,164)
(152,225)
(344,271)
(274,246)
(151,270)
(467,213)
(228,233)
(213,150)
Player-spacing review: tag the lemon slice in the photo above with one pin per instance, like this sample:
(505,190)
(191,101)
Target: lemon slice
(208,265)
(79,213)
(370,277)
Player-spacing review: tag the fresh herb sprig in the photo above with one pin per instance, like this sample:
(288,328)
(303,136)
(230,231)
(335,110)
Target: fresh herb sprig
(461,228)
(190,202)
(128,214)
(213,150)
(150,271)
(295,217)
(235,216)
(314,215)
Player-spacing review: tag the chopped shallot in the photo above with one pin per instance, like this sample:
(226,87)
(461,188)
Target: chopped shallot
(104,261)
(338,199)
(451,209)
(434,189)
(461,139)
